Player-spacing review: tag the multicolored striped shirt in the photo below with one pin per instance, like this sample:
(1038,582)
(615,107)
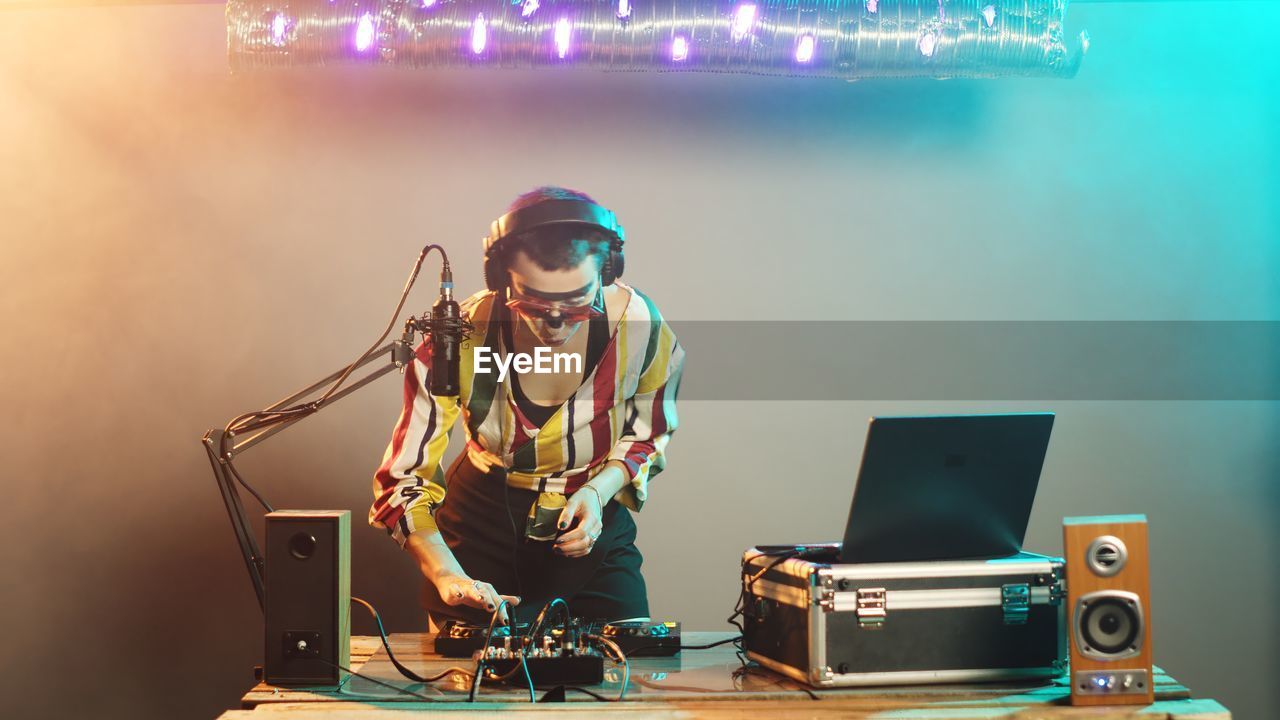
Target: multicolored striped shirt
(624,410)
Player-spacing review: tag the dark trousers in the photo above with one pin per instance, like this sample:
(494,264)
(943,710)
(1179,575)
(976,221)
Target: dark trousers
(482,521)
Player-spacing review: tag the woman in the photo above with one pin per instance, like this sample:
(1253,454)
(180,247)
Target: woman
(538,505)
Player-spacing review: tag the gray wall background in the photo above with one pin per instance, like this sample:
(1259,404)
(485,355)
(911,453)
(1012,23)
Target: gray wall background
(178,246)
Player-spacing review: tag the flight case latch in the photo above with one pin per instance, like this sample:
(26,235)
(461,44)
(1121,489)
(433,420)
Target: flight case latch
(1015,603)
(871,611)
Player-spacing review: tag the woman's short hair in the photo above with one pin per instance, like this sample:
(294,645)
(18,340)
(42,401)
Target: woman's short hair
(558,247)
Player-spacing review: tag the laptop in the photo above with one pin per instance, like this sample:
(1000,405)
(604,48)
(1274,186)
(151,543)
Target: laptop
(945,487)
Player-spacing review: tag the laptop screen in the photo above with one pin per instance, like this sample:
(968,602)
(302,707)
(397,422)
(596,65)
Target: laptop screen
(945,487)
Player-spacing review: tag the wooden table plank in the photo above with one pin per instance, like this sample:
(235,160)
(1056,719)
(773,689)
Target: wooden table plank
(842,708)
(694,686)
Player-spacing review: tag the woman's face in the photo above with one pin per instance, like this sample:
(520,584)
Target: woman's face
(553,304)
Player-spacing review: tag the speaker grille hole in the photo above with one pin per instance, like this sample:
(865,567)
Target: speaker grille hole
(302,546)
(1106,556)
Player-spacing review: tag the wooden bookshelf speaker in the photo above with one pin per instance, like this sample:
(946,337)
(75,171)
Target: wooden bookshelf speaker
(1109,601)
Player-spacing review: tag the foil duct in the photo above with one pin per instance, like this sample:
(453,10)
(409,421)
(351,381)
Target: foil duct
(848,39)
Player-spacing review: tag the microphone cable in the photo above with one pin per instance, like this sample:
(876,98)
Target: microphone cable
(250,420)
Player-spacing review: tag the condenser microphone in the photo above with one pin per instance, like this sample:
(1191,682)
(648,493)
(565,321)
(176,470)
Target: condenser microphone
(446,336)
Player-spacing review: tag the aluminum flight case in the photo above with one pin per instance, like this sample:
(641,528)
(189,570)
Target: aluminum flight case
(828,624)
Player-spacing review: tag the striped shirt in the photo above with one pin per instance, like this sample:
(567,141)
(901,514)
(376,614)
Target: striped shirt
(625,409)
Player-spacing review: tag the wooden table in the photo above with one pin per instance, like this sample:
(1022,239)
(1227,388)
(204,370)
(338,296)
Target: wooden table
(694,685)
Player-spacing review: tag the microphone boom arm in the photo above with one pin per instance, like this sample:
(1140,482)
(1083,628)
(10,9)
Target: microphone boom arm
(214,440)
(222,445)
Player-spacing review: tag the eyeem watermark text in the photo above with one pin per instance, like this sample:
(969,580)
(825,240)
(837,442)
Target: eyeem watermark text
(542,362)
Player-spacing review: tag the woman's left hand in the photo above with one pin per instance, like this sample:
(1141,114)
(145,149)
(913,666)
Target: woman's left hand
(481,459)
(585,506)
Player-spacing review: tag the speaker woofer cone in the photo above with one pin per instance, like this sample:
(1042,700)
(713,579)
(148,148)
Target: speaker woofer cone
(1109,625)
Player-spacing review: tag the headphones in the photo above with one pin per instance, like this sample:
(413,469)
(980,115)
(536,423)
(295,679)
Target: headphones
(545,214)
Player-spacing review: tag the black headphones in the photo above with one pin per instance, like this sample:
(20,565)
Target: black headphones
(548,213)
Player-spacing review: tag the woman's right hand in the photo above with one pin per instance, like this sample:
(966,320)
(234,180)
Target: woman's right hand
(442,570)
(462,590)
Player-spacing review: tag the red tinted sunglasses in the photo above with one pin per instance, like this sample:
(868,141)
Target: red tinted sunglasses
(541,310)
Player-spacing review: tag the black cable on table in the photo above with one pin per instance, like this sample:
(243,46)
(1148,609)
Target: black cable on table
(484,652)
(708,646)
(376,681)
(392,656)
(585,691)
